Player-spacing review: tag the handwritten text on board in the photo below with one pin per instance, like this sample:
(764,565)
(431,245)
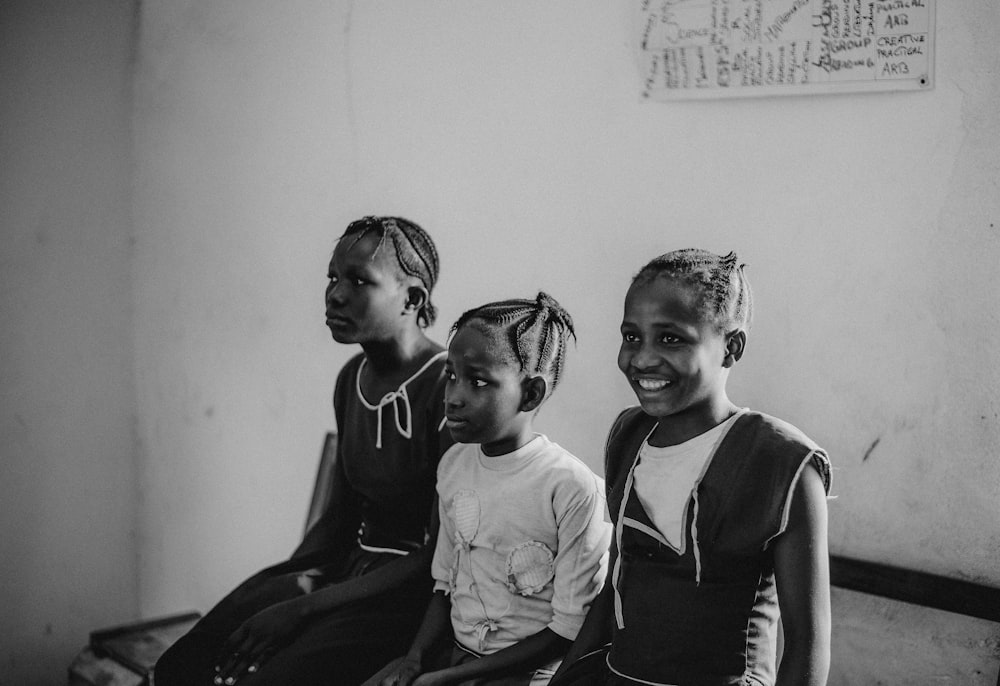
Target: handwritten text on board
(718,48)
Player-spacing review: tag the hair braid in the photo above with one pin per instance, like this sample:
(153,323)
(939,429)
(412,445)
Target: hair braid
(416,253)
(726,297)
(534,333)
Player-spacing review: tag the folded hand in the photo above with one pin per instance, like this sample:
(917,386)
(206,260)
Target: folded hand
(256,640)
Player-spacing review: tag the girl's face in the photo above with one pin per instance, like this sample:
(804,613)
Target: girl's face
(674,359)
(484,395)
(365,297)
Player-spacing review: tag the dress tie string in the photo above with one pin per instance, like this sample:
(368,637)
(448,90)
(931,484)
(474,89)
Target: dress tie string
(390,399)
(395,398)
(483,629)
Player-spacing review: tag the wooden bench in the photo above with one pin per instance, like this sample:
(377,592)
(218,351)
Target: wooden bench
(124,655)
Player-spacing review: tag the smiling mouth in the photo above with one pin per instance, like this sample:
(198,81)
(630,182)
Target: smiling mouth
(652,385)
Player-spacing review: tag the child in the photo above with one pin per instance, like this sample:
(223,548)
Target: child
(520,554)
(719,512)
(353,593)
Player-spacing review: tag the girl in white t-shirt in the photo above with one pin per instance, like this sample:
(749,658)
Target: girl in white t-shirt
(521,548)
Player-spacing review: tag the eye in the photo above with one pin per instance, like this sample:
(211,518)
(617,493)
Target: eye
(629,337)
(671,339)
(449,376)
(358,281)
(479,383)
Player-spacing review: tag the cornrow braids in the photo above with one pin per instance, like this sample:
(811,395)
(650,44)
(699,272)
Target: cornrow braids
(533,333)
(726,296)
(416,253)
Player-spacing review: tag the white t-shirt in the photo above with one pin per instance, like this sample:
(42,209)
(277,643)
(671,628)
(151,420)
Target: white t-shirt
(523,542)
(665,479)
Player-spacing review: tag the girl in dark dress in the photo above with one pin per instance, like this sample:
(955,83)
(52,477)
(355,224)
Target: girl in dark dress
(352,595)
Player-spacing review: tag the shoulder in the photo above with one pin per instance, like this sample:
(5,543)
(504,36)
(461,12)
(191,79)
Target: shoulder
(628,420)
(630,424)
(567,479)
(778,428)
(779,442)
(346,378)
(457,457)
(627,431)
(430,379)
(350,369)
(563,461)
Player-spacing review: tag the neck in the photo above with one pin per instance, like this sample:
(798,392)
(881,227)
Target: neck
(520,438)
(400,352)
(694,421)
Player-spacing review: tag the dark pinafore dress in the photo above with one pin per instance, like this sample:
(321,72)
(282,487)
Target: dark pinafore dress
(706,616)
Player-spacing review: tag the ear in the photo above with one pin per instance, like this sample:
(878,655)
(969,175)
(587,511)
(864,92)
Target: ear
(736,342)
(533,390)
(416,298)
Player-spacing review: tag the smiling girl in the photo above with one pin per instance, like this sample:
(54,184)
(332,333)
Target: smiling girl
(719,511)
(521,550)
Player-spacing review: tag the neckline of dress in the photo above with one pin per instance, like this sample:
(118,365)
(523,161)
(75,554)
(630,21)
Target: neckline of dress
(391,395)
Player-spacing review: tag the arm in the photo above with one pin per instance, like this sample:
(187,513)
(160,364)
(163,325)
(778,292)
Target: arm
(337,526)
(533,651)
(270,628)
(391,575)
(802,573)
(596,630)
(433,628)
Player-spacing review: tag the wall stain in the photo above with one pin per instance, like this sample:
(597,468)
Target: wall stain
(868,452)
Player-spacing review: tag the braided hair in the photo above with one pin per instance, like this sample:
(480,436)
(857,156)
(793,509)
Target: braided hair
(726,296)
(532,333)
(415,253)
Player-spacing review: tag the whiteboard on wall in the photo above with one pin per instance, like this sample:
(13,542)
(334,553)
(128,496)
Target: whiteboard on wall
(747,48)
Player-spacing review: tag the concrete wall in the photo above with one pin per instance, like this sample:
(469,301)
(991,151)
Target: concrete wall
(514,133)
(68,498)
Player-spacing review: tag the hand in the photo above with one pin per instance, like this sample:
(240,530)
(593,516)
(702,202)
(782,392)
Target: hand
(404,674)
(438,678)
(256,640)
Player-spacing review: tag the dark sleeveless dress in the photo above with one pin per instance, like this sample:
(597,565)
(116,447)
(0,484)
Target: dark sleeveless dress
(384,478)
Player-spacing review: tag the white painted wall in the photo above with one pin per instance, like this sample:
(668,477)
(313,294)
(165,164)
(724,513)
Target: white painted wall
(68,499)
(513,132)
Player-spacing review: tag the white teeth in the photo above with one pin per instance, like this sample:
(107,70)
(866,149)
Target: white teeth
(652,384)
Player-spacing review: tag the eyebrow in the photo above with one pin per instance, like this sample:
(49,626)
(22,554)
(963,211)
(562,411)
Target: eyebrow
(656,324)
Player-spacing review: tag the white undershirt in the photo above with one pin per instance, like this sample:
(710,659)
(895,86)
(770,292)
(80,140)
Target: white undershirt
(665,478)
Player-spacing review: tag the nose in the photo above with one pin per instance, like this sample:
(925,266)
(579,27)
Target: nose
(452,396)
(334,295)
(644,358)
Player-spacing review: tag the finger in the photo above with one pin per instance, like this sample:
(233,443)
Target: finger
(230,648)
(263,657)
(240,666)
(226,675)
(249,661)
(243,662)
(236,663)
(234,641)
(223,668)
